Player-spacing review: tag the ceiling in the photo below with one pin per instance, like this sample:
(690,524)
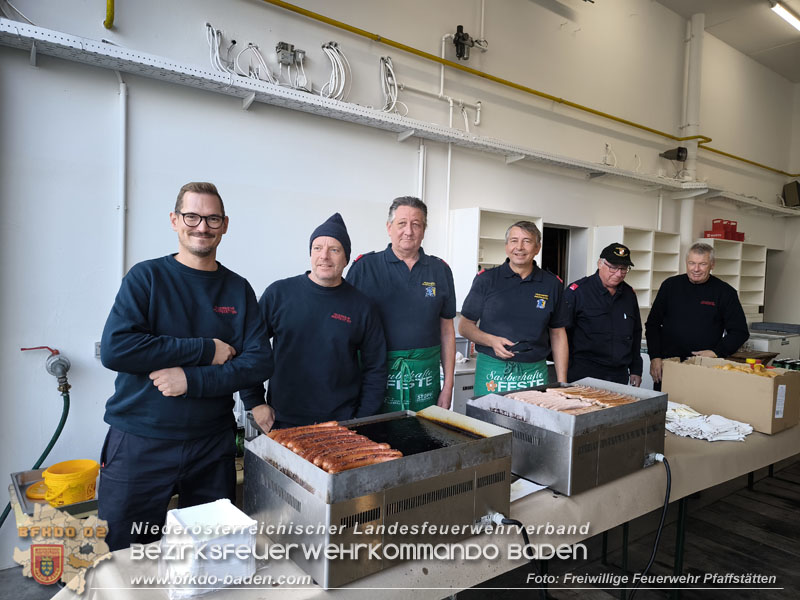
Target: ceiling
(752,28)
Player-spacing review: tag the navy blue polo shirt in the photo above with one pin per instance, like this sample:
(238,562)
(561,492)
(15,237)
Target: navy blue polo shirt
(410,302)
(604,330)
(521,310)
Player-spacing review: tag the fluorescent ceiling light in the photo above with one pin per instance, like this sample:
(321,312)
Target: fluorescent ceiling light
(786,16)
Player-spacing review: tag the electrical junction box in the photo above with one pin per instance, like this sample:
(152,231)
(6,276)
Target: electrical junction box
(285,53)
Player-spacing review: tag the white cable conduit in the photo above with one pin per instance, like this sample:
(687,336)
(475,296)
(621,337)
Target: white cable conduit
(687,41)
(483,12)
(445,37)
(476,107)
(693,86)
(421,171)
(447,182)
(122,207)
(693,82)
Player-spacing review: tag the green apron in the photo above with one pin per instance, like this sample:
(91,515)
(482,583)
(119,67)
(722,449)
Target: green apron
(494,375)
(413,382)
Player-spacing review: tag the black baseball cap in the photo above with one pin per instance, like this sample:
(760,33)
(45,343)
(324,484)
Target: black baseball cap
(617,254)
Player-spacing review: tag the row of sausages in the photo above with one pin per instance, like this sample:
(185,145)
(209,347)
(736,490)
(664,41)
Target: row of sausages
(332,447)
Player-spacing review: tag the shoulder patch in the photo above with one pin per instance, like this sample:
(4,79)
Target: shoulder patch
(357,258)
(482,271)
(573,287)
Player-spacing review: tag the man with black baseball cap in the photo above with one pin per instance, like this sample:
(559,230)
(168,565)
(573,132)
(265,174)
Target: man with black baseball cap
(605,330)
(327,338)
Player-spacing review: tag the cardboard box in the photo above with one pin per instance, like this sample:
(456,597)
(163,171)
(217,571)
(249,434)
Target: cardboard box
(769,404)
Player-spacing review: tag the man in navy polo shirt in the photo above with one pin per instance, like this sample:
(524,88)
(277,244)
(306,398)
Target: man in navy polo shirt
(330,353)
(184,334)
(515,313)
(605,330)
(415,295)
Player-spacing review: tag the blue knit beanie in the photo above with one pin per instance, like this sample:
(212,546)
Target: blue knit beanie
(334,227)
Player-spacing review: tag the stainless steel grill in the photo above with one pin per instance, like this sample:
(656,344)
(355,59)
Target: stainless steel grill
(573,453)
(454,470)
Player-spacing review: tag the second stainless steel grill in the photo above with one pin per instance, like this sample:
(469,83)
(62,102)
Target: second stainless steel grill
(572,453)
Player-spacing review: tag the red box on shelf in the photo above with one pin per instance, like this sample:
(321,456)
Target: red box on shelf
(724,229)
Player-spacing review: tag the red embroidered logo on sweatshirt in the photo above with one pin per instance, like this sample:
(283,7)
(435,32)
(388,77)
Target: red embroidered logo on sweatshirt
(708,302)
(225,310)
(339,317)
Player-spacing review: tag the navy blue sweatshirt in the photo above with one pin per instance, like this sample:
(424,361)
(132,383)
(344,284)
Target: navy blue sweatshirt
(166,315)
(687,317)
(317,333)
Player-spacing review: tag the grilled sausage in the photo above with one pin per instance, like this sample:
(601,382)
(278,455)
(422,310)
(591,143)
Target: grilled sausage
(305,438)
(300,446)
(337,460)
(361,462)
(281,433)
(318,455)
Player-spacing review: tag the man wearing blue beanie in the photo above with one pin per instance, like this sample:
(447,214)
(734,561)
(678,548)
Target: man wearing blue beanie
(319,324)
(334,227)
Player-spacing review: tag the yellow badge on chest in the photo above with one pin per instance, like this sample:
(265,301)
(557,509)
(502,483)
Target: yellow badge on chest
(430,289)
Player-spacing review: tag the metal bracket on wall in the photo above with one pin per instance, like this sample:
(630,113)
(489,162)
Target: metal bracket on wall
(33,54)
(248,100)
(404,135)
(514,158)
(686,194)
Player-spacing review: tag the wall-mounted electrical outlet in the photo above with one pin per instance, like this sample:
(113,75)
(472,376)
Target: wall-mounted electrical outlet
(97,349)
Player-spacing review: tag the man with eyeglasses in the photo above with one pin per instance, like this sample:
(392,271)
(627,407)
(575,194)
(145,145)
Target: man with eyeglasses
(605,327)
(184,334)
(694,314)
(330,352)
(515,314)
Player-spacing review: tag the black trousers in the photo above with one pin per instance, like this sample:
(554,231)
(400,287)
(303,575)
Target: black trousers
(139,476)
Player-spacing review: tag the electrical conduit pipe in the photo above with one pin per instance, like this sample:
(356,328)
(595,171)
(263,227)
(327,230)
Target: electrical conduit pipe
(701,139)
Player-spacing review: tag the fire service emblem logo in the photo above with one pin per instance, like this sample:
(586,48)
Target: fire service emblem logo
(47,562)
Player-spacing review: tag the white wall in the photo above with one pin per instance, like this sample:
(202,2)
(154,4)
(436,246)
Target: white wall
(281,172)
(794,154)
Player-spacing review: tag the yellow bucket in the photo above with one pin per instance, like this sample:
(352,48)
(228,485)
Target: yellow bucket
(71,481)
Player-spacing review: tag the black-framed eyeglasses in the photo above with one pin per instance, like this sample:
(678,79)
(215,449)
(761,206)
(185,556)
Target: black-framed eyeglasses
(617,268)
(193,220)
